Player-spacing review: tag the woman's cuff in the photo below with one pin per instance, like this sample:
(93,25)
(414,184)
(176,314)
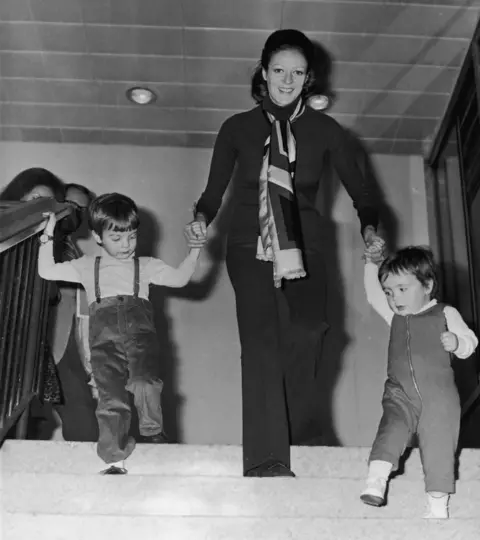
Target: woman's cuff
(368,218)
(198,210)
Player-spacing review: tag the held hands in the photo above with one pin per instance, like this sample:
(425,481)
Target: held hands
(50,226)
(375,246)
(196,233)
(449,341)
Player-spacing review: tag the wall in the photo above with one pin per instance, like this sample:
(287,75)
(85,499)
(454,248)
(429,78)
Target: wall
(198,326)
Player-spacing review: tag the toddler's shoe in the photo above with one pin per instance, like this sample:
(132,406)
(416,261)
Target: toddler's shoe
(374,493)
(437,507)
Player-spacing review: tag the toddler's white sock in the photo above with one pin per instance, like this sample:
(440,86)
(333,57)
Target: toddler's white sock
(437,505)
(378,473)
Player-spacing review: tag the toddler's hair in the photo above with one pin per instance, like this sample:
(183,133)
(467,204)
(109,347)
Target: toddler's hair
(416,260)
(113,212)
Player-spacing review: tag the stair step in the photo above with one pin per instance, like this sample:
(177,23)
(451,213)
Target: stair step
(190,460)
(54,527)
(137,495)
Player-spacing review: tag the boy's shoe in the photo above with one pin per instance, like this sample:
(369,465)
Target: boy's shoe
(113,469)
(437,507)
(374,493)
(159,438)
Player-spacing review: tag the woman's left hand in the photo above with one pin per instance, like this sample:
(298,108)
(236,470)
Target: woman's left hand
(374,244)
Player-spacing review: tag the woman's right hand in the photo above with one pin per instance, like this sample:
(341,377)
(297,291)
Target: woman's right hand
(196,233)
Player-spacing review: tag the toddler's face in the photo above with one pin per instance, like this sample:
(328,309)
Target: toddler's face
(118,244)
(405,294)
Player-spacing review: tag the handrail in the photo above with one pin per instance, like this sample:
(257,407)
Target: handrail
(21,220)
(24,305)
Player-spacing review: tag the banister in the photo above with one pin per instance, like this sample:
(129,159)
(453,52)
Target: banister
(21,220)
(24,307)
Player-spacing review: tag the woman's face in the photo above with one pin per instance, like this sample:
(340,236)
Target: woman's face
(286,75)
(37,192)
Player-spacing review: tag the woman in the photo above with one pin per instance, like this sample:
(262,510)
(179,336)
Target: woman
(275,250)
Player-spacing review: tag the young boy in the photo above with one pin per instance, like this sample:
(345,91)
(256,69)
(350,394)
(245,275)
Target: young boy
(420,394)
(123,342)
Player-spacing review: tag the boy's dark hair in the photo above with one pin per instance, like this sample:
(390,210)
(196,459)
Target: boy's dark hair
(113,212)
(414,260)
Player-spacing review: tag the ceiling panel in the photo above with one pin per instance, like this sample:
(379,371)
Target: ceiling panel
(15,10)
(137,69)
(66,11)
(22,65)
(394,18)
(248,14)
(65,66)
(386,48)
(134,40)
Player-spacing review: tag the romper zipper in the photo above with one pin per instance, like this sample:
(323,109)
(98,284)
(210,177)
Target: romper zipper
(410,358)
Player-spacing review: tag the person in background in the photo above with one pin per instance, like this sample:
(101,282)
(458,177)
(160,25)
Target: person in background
(276,255)
(77,410)
(34,183)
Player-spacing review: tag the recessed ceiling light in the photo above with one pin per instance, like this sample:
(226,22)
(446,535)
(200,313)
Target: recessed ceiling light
(141,95)
(319,102)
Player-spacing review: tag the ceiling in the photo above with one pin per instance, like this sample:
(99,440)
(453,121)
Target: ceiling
(65,66)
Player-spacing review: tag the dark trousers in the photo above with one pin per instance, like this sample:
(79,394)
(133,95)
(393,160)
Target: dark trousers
(125,358)
(77,409)
(281,333)
(436,421)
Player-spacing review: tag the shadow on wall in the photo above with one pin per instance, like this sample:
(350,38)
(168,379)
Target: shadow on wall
(337,339)
(172,401)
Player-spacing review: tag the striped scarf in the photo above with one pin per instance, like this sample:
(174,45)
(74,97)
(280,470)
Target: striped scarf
(280,233)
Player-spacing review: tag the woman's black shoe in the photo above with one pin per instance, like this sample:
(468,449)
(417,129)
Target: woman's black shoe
(270,469)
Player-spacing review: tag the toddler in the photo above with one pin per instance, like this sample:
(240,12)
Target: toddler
(420,395)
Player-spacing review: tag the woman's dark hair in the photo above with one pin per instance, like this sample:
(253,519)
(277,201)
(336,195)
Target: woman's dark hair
(29,179)
(113,212)
(282,40)
(414,260)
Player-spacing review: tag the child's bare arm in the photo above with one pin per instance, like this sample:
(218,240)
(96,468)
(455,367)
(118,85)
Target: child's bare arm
(375,295)
(459,339)
(168,276)
(47,267)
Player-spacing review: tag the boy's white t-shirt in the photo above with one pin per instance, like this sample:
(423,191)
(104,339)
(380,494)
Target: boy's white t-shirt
(116,275)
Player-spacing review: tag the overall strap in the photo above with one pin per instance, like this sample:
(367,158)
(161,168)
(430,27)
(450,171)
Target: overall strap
(97,279)
(136,282)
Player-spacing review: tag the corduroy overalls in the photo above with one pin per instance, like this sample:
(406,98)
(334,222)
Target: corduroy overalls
(125,358)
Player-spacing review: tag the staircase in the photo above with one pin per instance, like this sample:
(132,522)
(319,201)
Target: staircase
(51,491)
